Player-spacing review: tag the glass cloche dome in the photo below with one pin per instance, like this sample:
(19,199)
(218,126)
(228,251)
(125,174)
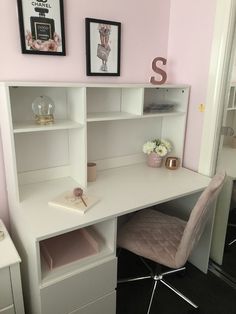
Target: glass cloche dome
(43,108)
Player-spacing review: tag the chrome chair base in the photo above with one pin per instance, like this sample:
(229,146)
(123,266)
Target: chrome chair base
(232,242)
(159,278)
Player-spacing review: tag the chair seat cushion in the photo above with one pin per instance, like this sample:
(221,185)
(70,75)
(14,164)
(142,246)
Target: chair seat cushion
(153,235)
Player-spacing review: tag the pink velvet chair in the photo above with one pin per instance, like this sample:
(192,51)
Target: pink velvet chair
(165,239)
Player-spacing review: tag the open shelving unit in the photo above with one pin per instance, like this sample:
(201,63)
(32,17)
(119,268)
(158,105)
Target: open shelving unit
(102,123)
(34,145)
(117,103)
(105,103)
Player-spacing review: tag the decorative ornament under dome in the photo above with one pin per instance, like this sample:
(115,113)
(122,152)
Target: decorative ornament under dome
(43,109)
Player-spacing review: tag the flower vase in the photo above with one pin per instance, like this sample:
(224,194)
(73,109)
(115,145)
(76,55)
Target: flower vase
(154,160)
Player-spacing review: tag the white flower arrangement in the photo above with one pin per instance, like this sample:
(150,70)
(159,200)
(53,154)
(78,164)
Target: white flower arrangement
(161,147)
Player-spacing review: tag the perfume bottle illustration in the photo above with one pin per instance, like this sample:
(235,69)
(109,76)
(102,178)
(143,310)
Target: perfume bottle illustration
(42,28)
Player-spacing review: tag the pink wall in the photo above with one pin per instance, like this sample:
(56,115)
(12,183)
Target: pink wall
(144,36)
(181,31)
(189,47)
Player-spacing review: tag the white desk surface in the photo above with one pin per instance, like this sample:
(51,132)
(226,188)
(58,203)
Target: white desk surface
(120,190)
(8,253)
(227,161)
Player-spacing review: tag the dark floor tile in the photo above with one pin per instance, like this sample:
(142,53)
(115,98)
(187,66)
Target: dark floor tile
(210,293)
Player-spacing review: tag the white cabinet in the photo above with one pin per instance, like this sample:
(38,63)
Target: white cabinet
(5,289)
(69,260)
(79,289)
(11,298)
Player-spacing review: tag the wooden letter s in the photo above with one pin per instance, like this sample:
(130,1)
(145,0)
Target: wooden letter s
(159,71)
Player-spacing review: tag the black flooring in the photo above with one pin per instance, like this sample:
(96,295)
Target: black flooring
(229,259)
(209,292)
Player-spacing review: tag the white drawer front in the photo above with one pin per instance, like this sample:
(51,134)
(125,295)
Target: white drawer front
(5,288)
(8,310)
(105,305)
(80,289)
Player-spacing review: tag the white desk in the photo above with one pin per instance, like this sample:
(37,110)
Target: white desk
(121,191)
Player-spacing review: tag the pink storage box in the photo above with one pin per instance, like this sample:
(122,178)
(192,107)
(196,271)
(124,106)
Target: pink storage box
(69,247)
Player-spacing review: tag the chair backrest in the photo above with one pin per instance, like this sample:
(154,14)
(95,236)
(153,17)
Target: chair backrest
(198,219)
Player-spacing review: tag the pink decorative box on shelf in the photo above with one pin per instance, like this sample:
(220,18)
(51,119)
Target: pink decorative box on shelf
(69,247)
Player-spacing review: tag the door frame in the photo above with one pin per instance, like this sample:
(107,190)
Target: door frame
(221,62)
(218,81)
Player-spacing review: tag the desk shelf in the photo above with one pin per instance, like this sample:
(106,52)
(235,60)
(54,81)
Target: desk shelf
(109,116)
(65,253)
(30,126)
(163,114)
(69,247)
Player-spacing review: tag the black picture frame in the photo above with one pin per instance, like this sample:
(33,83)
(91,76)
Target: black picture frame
(103,41)
(41,24)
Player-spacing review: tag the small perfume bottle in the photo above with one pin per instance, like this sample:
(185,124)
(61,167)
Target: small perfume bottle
(42,28)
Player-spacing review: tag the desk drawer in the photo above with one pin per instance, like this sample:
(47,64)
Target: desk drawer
(5,288)
(105,305)
(80,289)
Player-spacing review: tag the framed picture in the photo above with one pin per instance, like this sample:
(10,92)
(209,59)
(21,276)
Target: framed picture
(102,47)
(42,27)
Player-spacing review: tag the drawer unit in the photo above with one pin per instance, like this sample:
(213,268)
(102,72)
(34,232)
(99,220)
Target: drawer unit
(106,305)
(79,289)
(11,297)
(5,288)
